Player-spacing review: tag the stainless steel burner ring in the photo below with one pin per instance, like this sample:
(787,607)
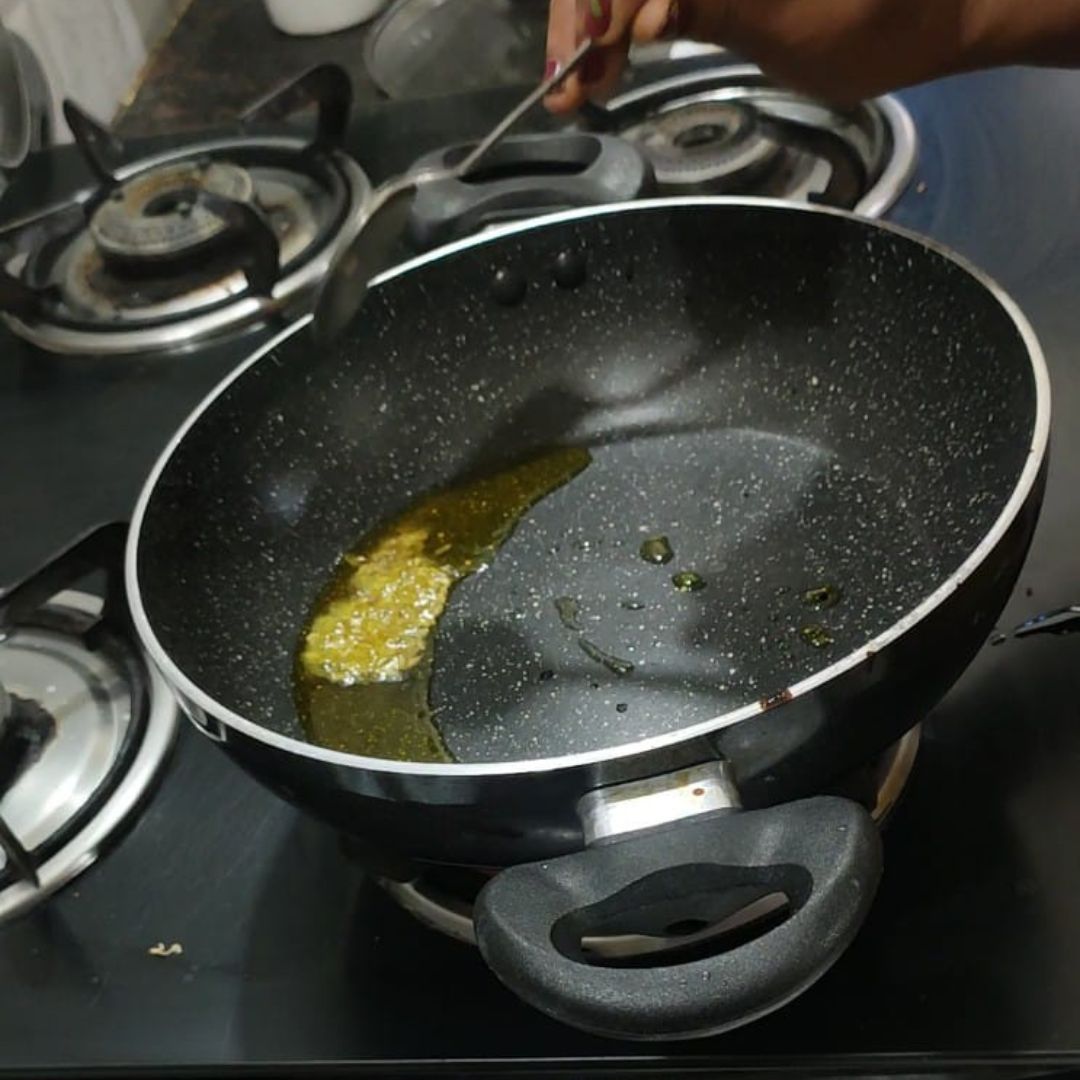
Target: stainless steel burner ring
(155,216)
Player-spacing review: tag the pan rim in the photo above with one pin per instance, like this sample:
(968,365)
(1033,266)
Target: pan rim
(1026,481)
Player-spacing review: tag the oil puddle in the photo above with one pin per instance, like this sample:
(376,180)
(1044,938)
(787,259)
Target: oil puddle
(657,550)
(363,666)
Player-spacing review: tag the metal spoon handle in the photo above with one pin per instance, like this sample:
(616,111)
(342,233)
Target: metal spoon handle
(503,126)
(371,236)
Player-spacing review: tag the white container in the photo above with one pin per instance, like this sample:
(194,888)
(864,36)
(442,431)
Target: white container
(305,17)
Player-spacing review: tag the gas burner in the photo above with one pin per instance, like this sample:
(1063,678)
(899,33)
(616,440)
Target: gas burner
(729,131)
(442,897)
(85,722)
(156,214)
(190,244)
(709,143)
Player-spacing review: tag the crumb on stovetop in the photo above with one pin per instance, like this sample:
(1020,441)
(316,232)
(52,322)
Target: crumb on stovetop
(161,949)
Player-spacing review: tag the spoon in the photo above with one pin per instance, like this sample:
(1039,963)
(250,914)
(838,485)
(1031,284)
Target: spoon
(372,235)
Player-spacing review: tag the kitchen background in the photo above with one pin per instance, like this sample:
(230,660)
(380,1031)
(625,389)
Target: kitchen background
(91,51)
(172,65)
(226,929)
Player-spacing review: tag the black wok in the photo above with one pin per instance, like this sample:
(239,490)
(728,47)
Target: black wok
(797,399)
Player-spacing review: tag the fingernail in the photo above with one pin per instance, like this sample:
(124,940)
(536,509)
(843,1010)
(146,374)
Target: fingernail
(593,67)
(670,28)
(598,18)
(550,67)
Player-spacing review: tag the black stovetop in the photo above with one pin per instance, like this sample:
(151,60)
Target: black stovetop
(292,960)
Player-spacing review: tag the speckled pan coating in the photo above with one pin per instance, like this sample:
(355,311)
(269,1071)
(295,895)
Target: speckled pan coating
(795,399)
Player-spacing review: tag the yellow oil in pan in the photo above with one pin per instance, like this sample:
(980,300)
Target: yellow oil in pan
(364,662)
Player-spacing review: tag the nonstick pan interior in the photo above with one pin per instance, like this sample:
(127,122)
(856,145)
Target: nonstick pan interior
(795,399)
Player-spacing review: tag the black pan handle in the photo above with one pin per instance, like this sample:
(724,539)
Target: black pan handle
(823,854)
(524,176)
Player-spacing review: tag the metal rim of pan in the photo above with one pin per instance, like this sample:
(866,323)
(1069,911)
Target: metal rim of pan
(1017,500)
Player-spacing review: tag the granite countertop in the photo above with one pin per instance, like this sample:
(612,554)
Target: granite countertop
(220,57)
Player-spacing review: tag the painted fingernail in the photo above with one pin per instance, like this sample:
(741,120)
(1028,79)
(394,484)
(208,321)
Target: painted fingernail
(597,18)
(550,67)
(670,28)
(593,67)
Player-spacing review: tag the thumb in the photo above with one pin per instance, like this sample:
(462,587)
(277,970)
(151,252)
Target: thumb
(660,19)
(608,22)
(701,20)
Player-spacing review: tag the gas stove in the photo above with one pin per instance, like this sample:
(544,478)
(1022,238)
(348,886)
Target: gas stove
(202,922)
(174,248)
(718,131)
(85,723)
(730,131)
(180,246)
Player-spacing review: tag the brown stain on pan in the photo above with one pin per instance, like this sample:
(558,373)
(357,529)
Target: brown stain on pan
(774,701)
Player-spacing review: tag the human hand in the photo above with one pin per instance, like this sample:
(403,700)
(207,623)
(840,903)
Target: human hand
(839,50)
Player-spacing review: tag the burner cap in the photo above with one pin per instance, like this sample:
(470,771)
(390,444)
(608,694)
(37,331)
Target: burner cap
(705,144)
(154,268)
(155,216)
(186,245)
(728,130)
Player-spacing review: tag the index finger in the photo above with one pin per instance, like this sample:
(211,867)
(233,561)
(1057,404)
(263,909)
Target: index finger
(608,24)
(562,39)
